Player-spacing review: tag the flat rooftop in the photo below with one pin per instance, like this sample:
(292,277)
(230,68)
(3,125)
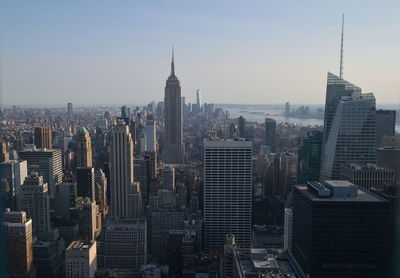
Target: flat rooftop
(362,194)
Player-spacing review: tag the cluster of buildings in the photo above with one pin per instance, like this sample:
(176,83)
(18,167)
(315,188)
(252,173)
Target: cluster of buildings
(183,190)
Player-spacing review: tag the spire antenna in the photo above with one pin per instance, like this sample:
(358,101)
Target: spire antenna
(341,49)
(172,62)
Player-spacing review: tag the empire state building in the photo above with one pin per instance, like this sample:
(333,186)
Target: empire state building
(173,152)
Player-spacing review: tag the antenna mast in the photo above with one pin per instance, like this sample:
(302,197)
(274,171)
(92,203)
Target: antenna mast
(341,49)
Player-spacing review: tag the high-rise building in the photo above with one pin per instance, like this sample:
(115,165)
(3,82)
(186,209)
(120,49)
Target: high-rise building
(270,133)
(85,182)
(288,229)
(242,127)
(47,163)
(70,111)
(63,200)
(18,239)
(122,246)
(385,124)
(309,165)
(48,255)
(168,178)
(14,172)
(87,223)
(35,202)
(151,138)
(81,259)
(349,127)
(83,150)
(121,169)
(287,110)
(198,101)
(389,158)
(368,175)
(4,154)
(43,137)
(173,151)
(336,225)
(227,192)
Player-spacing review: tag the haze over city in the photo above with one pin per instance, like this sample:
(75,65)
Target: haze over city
(107,52)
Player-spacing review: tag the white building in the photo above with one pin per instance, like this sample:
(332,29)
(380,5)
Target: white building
(81,259)
(227,192)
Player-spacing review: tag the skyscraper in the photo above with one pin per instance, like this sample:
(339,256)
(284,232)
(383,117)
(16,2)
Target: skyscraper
(35,202)
(336,225)
(198,101)
(270,133)
(309,164)
(81,259)
(4,154)
(88,222)
(173,152)
(47,163)
(227,192)
(121,169)
(18,236)
(85,182)
(70,110)
(150,134)
(385,124)
(83,148)
(43,137)
(242,127)
(349,127)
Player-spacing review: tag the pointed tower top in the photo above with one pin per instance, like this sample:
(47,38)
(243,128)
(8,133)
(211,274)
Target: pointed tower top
(172,63)
(341,49)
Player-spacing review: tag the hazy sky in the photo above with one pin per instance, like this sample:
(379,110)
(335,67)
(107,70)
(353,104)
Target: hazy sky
(115,51)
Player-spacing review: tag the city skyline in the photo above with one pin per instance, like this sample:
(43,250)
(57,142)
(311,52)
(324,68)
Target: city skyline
(227,52)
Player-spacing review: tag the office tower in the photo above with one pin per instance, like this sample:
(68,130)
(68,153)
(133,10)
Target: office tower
(4,154)
(124,112)
(83,150)
(121,169)
(181,252)
(85,182)
(198,101)
(18,239)
(48,255)
(142,175)
(14,172)
(232,131)
(35,202)
(151,157)
(63,200)
(287,110)
(43,137)
(122,246)
(385,124)
(288,229)
(70,111)
(101,195)
(242,127)
(309,166)
(140,134)
(270,133)
(47,163)
(336,225)
(389,158)
(135,201)
(81,259)
(87,223)
(227,192)
(286,170)
(349,127)
(150,134)
(368,175)
(162,221)
(173,151)
(168,178)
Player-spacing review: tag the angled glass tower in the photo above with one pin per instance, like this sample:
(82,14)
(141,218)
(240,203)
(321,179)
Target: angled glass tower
(349,127)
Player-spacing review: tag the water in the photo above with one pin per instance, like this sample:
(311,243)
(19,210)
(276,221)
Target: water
(258,113)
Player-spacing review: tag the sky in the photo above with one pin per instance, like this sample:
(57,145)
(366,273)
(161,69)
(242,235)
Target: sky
(268,52)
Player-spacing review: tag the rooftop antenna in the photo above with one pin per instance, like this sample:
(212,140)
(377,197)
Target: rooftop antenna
(341,49)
